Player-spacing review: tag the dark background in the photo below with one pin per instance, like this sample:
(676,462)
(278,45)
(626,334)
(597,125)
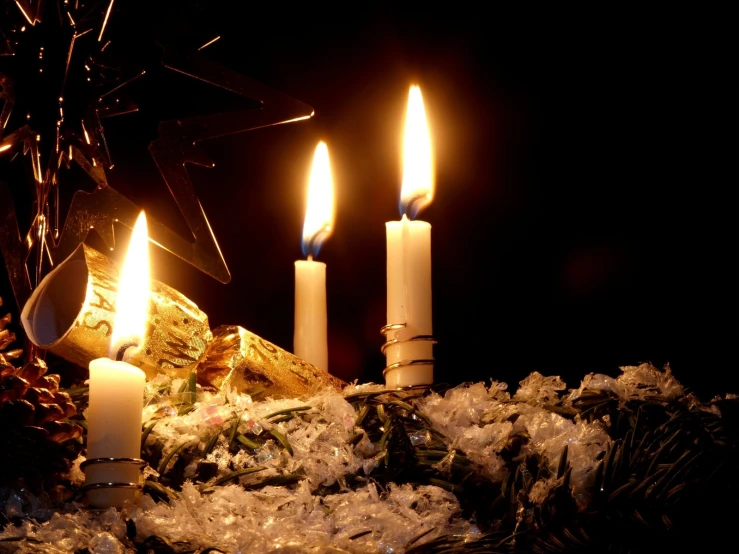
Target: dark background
(586,160)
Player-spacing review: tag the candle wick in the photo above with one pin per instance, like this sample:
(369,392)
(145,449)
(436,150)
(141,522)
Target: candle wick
(122,350)
(313,244)
(413,206)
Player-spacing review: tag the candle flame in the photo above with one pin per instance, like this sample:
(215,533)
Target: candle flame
(319,213)
(417,191)
(132,303)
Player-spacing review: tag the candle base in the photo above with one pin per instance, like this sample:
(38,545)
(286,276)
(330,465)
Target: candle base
(111,482)
(409,375)
(410,359)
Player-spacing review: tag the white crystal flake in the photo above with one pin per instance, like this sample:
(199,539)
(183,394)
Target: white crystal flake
(321,512)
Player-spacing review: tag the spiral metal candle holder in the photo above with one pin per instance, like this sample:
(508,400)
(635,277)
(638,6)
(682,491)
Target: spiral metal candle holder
(123,461)
(386,330)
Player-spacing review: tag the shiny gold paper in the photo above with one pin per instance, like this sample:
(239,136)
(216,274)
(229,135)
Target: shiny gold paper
(71,314)
(248,363)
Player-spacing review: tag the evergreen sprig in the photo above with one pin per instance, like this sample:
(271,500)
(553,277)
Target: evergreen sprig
(668,479)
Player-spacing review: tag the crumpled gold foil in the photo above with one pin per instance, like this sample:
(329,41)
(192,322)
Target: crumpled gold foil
(248,363)
(71,314)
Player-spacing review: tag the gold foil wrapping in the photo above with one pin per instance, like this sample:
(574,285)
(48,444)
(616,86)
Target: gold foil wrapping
(248,363)
(71,314)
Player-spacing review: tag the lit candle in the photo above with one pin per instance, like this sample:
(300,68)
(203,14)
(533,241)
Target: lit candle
(310,340)
(409,346)
(114,414)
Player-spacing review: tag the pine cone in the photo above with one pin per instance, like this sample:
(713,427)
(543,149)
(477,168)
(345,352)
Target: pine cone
(34,436)
(6,339)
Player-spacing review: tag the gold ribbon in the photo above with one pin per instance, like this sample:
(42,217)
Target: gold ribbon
(248,363)
(71,314)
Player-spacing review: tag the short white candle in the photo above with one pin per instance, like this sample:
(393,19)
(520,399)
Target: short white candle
(114,428)
(409,261)
(310,338)
(114,414)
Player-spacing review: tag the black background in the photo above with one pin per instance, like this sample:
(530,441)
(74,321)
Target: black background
(586,168)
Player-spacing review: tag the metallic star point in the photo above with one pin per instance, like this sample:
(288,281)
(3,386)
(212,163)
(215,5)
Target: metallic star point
(84,87)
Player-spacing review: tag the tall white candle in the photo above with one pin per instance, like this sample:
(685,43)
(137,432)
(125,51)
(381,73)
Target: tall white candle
(310,338)
(114,415)
(409,350)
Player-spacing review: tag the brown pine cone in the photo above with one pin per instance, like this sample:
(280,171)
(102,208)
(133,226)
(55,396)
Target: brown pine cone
(6,339)
(30,398)
(35,432)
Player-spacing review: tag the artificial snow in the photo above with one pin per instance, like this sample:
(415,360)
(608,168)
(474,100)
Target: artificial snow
(477,419)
